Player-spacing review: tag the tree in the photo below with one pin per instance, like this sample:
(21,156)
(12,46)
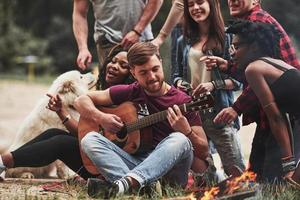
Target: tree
(44,28)
(16,42)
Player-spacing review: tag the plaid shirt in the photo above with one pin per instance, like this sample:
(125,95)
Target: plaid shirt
(286,49)
(247,103)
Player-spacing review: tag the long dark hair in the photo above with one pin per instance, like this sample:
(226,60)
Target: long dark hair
(216,35)
(265,35)
(101,83)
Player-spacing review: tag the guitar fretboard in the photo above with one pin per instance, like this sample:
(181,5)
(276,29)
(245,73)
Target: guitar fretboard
(147,121)
(200,104)
(152,119)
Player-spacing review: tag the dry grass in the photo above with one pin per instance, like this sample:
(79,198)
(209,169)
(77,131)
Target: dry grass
(21,189)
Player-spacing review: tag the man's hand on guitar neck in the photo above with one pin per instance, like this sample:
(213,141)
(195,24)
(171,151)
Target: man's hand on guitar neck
(178,121)
(110,122)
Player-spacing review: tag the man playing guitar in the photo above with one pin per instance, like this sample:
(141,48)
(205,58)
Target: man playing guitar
(177,142)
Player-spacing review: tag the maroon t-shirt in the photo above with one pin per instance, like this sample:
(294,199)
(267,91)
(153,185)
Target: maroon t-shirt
(135,94)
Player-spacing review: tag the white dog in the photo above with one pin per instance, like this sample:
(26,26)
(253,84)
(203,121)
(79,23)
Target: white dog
(69,86)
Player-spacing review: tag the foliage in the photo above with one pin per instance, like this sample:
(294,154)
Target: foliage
(15,42)
(51,21)
(44,28)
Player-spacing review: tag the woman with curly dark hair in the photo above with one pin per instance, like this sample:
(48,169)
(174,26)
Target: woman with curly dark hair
(115,69)
(255,50)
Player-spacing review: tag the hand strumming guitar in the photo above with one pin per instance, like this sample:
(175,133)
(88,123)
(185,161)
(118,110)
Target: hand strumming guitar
(110,122)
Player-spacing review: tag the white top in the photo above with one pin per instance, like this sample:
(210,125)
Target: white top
(198,72)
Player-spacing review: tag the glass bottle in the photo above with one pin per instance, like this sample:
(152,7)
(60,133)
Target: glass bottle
(218,81)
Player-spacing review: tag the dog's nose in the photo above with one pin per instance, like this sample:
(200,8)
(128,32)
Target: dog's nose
(90,75)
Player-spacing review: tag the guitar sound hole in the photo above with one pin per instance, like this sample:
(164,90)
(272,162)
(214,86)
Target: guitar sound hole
(122,133)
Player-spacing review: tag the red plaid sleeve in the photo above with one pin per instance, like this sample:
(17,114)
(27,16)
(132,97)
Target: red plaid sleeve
(245,101)
(248,105)
(287,51)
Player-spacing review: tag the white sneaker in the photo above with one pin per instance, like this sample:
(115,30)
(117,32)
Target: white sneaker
(2,170)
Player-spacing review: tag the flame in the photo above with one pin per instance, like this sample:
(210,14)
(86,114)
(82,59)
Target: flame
(240,183)
(191,197)
(243,182)
(211,194)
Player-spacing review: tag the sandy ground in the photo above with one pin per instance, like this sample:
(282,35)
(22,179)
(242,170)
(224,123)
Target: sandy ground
(17,99)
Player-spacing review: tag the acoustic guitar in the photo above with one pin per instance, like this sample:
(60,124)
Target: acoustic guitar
(136,135)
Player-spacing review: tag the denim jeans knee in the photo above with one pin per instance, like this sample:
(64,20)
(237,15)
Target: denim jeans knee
(172,155)
(86,142)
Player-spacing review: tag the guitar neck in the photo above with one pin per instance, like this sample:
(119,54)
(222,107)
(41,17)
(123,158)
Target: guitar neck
(151,119)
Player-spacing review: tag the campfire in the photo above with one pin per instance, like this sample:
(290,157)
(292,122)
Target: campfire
(233,188)
(241,183)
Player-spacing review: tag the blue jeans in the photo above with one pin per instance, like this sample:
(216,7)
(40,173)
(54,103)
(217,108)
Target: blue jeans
(171,158)
(227,144)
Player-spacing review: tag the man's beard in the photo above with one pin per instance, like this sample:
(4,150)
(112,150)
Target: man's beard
(155,88)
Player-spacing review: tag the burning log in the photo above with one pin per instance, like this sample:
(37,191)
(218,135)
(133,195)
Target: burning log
(242,182)
(232,188)
(239,187)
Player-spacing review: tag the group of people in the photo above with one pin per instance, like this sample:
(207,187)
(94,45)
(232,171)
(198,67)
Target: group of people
(253,53)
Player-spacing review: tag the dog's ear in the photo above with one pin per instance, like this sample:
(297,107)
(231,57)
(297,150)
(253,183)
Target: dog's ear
(67,87)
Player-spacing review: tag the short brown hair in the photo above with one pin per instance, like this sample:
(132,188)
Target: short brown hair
(141,52)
